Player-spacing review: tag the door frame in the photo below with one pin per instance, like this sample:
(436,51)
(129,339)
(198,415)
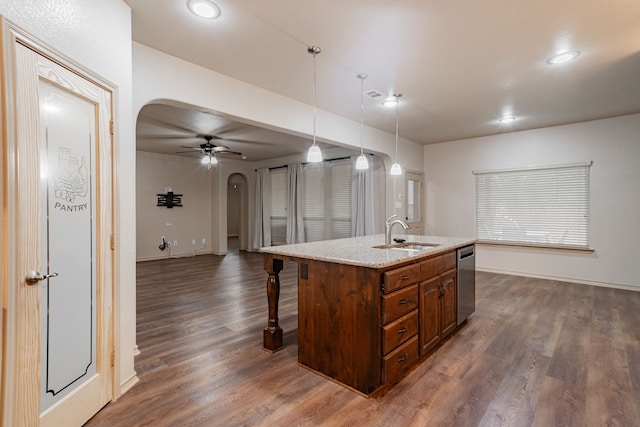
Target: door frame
(24,408)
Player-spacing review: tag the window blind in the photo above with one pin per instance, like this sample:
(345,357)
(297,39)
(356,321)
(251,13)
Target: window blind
(326,201)
(544,206)
(341,176)
(314,207)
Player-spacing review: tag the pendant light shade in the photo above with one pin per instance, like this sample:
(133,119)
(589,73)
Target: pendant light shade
(314,155)
(362,163)
(396,169)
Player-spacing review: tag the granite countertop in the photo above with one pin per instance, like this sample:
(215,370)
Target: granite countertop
(360,251)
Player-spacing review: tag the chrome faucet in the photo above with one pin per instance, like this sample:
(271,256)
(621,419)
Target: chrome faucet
(389,226)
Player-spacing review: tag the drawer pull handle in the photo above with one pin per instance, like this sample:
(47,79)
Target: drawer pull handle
(403,301)
(403,358)
(405,277)
(403,330)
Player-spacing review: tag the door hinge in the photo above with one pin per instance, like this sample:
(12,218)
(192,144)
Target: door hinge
(111,127)
(113,358)
(113,242)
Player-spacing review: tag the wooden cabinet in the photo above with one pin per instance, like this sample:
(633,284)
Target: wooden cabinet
(400,342)
(437,300)
(366,327)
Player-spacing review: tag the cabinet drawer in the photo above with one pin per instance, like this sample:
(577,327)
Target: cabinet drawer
(399,303)
(395,333)
(401,277)
(397,364)
(437,265)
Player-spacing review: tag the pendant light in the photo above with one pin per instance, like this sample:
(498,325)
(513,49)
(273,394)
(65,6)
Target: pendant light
(314,155)
(362,163)
(395,168)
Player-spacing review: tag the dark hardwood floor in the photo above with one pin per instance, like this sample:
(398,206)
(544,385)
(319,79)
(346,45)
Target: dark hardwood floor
(535,353)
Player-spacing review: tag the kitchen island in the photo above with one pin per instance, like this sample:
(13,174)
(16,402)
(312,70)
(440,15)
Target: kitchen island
(367,311)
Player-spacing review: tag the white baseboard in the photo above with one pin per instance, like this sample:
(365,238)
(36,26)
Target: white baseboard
(130,382)
(563,279)
(186,255)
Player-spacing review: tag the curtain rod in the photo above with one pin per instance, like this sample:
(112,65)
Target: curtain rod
(306,163)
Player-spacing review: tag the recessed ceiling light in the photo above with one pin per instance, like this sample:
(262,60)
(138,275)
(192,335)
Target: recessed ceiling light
(507,119)
(562,58)
(204,8)
(390,101)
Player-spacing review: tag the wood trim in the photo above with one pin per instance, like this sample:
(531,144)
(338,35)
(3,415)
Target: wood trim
(20,223)
(20,379)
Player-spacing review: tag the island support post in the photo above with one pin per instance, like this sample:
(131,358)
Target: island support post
(272,338)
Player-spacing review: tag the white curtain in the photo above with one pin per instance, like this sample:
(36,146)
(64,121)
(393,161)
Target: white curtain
(262,217)
(362,206)
(295,220)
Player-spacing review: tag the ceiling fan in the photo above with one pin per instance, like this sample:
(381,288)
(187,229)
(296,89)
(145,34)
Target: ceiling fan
(210,149)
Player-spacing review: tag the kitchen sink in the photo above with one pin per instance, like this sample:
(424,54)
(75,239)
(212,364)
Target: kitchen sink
(408,246)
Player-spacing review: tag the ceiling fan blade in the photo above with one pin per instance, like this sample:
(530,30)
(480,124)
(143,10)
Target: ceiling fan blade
(191,151)
(247,141)
(229,152)
(218,148)
(193,148)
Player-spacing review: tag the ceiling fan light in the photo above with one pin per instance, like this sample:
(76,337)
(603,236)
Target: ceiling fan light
(204,9)
(396,169)
(205,160)
(214,160)
(314,155)
(362,163)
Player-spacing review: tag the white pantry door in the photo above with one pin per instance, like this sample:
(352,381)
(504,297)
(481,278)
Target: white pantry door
(61,300)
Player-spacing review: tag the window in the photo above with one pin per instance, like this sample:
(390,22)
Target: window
(340,214)
(543,206)
(326,201)
(313,203)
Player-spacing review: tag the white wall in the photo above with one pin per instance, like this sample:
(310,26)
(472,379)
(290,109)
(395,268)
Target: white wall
(208,202)
(192,221)
(614,147)
(97,35)
(159,77)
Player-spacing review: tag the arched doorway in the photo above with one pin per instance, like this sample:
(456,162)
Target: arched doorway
(237,213)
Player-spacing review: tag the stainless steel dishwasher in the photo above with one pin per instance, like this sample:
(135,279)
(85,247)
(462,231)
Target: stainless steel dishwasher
(466,282)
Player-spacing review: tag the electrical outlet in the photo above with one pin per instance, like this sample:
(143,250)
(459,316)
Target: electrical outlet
(204,240)
(193,241)
(175,243)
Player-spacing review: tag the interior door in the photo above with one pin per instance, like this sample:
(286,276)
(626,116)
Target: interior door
(413,202)
(59,367)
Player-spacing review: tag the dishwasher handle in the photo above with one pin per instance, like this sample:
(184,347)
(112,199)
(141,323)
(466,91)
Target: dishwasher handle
(467,252)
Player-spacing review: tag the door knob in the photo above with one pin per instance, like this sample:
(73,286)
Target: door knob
(34,277)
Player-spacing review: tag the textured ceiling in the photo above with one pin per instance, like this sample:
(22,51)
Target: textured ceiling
(460,64)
